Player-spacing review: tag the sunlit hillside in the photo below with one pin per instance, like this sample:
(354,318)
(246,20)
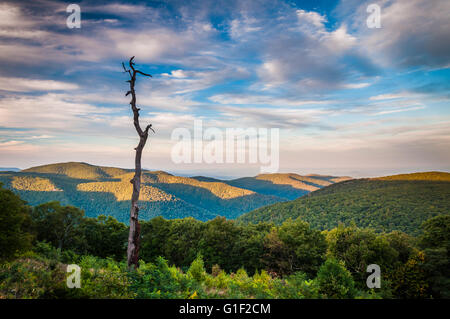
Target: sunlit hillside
(78,170)
(425,176)
(30,183)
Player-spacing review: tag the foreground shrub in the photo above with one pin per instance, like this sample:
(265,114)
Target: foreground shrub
(158,280)
(197,270)
(296,286)
(103,278)
(14,225)
(33,278)
(335,281)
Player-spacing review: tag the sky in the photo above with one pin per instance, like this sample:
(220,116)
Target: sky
(347,99)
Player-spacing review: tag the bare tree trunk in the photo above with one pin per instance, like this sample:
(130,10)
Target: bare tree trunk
(134,235)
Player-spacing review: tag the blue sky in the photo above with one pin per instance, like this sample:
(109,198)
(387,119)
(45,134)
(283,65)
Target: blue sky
(348,99)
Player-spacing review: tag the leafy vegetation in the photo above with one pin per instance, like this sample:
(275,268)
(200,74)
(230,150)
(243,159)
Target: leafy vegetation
(392,203)
(14,220)
(40,273)
(220,258)
(435,241)
(335,281)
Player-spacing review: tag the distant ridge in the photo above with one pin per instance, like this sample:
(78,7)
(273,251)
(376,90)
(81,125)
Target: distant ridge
(9,169)
(78,170)
(421,176)
(206,179)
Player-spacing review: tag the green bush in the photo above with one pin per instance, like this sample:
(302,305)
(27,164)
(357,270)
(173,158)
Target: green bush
(14,225)
(103,278)
(335,281)
(158,280)
(296,286)
(33,278)
(197,269)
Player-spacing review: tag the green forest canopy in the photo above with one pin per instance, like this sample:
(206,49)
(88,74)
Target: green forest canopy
(401,202)
(214,259)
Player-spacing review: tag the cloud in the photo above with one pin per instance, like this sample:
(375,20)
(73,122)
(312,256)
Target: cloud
(151,45)
(300,54)
(384,135)
(246,99)
(177,74)
(188,81)
(400,110)
(50,112)
(311,17)
(286,118)
(37,137)
(11,16)
(388,96)
(29,85)
(10,143)
(414,94)
(240,28)
(412,33)
(294,46)
(118,9)
(356,85)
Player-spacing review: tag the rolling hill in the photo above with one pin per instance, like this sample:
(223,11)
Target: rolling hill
(399,202)
(107,190)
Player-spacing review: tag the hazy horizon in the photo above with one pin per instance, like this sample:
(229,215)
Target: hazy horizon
(318,171)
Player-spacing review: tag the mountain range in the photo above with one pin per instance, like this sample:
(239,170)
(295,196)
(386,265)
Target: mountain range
(107,190)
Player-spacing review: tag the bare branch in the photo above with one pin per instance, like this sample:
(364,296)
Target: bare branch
(137,71)
(131,63)
(149,127)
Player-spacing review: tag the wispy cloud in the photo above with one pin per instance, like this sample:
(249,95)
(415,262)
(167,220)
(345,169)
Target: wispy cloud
(406,109)
(28,85)
(411,33)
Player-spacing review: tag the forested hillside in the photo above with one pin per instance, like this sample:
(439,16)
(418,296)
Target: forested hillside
(187,258)
(107,190)
(400,202)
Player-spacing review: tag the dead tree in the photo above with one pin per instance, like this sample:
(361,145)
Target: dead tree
(134,235)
